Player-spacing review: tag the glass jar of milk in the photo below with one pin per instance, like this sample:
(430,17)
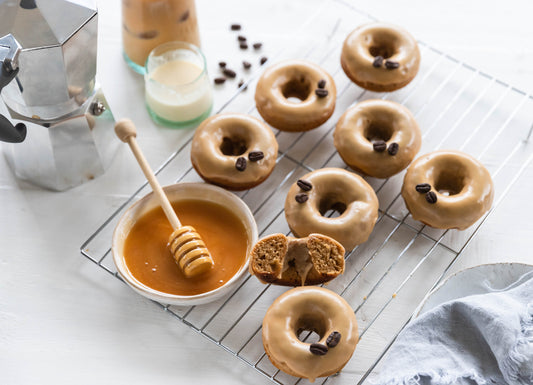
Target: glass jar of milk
(177,89)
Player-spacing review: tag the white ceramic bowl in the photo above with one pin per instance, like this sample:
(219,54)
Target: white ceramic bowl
(175,193)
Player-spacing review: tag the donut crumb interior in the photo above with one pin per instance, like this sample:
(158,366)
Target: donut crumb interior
(279,259)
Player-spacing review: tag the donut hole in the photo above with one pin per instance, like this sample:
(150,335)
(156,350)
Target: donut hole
(310,328)
(331,208)
(450,181)
(296,90)
(377,131)
(308,336)
(385,51)
(233,146)
(384,45)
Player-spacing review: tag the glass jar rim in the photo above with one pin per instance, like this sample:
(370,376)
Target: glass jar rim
(170,46)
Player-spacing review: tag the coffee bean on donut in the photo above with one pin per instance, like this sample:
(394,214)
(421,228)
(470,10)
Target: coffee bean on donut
(423,188)
(318,349)
(304,185)
(333,339)
(431,197)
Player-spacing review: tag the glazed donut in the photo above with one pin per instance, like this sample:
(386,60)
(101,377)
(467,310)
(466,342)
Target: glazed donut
(235,151)
(377,137)
(332,189)
(447,190)
(380,57)
(295,79)
(314,309)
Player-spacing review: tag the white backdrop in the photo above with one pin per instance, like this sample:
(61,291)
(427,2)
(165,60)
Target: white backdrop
(63,320)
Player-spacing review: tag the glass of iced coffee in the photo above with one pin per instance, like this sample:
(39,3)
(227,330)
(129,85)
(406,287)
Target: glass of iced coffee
(147,24)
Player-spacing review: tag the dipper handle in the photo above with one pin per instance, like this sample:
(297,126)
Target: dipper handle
(126,131)
(187,248)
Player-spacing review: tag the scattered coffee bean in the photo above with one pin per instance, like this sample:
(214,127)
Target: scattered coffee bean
(391,65)
(241,83)
(378,61)
(333,339)
(301,198)
(321,83)
(220,80)
(229,73)
(254,156)
(240,163)
(321,93)
(222,64)
(235,27)
(318,349)
(379,145)
(241,38)
(393,148)
(263,60)
(423,188)
(243,46)
(258,45)
(431,197)
(246,64)
(304,185)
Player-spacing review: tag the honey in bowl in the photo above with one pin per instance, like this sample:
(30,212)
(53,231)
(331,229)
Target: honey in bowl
(148,258)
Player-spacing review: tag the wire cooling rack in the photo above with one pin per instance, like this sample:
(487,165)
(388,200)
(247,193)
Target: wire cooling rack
(456,106)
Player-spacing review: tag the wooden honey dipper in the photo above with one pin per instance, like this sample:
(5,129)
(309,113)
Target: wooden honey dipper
(186,246)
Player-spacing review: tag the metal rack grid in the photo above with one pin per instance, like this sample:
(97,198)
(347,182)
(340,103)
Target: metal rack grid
(457,107)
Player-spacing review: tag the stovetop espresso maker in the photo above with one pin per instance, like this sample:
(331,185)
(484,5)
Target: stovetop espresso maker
(54,118)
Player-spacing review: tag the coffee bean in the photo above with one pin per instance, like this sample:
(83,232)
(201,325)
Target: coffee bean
(243,46)
(318,349)
(263,60)
(393,148)
(229,73)
(431,197)
(241,38)
(235,27)
(333,339)
(321,93)
(378,61)
(240,163)
(254,156)
(246,64)
(241,83)
(304,185)
(423,188)
(220,80)
(379,145)
(222,64)
(391,65)
(321,83)
(301,198)
(258,45)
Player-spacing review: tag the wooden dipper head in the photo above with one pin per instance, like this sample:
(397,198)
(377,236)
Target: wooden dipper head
(187,248)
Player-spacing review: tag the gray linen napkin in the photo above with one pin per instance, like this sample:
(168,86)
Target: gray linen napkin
(480,339)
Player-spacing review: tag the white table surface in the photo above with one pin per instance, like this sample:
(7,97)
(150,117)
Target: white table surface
(63,320)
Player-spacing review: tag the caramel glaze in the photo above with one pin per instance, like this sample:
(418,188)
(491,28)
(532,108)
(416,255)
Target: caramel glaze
(309,308)
(340,190)
(463,187)
(244,134)
(373,120)
(391,42)
(148,257)
(299,79)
